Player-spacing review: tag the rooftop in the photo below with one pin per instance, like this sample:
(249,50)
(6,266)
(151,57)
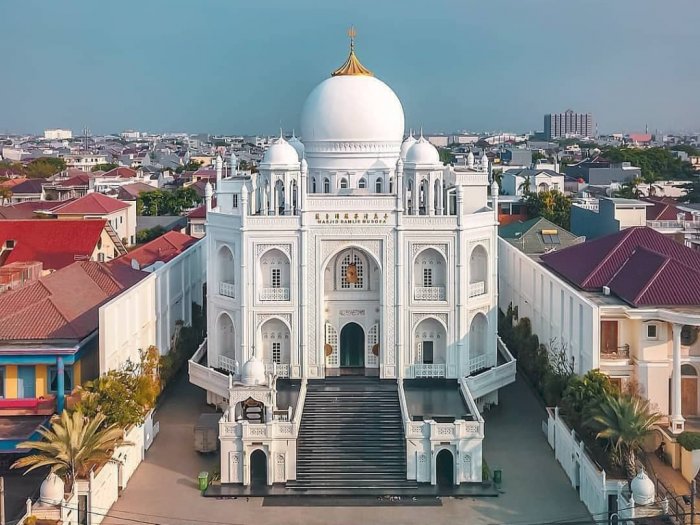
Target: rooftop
(90,204)
(538,236)
(55,243)
(437,399)
(161,249)
(639,265)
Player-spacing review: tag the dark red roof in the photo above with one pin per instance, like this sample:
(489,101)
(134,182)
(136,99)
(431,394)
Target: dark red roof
(200,212)
(664,209)
(639,265)
(81,179)
(23,210)
(90,204)
(64,304)
(122,172)
(55,243)
(29,186)
(163,249)
(133,190)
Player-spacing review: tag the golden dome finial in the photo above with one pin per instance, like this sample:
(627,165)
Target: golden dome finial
(352,65)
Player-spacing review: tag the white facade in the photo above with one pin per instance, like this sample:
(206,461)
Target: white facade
(652,346)
(513,181)
(351,249)
(58,134)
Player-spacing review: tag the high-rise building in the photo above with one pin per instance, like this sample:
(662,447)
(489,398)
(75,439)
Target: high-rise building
(568,124)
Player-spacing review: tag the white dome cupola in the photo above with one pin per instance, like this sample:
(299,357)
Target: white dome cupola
(407,144)
(52,490)
(253,372)
(297,145)
(281,153)
(423,153)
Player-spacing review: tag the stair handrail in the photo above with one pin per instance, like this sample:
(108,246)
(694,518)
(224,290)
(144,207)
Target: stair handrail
(299,409)
(402,402)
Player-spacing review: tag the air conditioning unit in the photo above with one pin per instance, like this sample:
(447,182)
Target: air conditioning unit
(606,290)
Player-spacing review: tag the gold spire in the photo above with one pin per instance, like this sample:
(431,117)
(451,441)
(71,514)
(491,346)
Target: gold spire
(352,65)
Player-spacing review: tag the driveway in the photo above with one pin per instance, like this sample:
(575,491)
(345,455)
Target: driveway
(535,489)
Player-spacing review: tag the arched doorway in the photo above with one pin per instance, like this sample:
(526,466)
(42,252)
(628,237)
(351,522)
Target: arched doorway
(352,346)
(444,469)
(258,468)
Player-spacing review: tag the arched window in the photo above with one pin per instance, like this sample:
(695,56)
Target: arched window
(391,185)
(326,185)
(343,183)
(478,271)
(313,184)
(688,370)
(477,335)
(352,272)
(378,186)
(362,184)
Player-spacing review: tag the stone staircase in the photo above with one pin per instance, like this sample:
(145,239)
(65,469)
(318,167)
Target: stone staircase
(351,437)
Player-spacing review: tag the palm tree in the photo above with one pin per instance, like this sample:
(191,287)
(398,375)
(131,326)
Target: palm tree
(625,421)
(72,446)
(525,186)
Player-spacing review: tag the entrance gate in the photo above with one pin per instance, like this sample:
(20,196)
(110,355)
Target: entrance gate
(352,346)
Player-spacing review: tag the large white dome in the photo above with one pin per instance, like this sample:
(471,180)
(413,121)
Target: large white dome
(352,108)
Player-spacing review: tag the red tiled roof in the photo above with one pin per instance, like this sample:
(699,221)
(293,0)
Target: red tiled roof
(639,265)
(23,210)
(122,172)
(90,204)
(200,212)
(163,248)
(82,179)
(64,304)
(664,210)
(55,243)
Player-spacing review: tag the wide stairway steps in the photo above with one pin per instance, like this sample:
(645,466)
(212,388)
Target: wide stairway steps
(351,436)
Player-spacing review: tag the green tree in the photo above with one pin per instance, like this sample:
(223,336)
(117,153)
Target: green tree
(584,393)
(630,189)
(164,202)
(687,148)
(149,234)
(44,167)
(107,166)
(552,205)
(625,421)
(655,163)
(446,156)
(72,446)
(692,192)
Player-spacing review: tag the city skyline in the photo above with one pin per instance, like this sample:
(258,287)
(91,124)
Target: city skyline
(246,69)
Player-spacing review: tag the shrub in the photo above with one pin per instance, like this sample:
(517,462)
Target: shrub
(689,440)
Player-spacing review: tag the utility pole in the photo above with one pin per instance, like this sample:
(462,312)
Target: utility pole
(2,500)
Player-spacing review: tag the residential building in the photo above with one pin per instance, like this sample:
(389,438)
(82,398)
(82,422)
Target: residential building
(120,215)
(28,190)
(511,208)
(537,236)
(356,267)
(85,161)
(627,304)
(439,141)
(58,243)
(519,181)
(602,172)
(609,215)
(568,124)
(196,222)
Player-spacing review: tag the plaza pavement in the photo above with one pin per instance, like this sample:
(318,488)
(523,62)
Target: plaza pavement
(535,490)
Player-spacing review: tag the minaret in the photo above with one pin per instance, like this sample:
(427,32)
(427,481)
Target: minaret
(233,169)
(494,198)
(484,162)
(470,160)
(208,193)
(219,171)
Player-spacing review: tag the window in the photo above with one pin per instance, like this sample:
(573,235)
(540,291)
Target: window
(427,277)
(100,257)
(427,352)
(378,186)
(689,334)
(391,185)
(235,201)
(2,382)
(276,277)
(352,272)
(313,185)
(326,186)
(343,183)
(121,220)
(67,379)
(276,352)
(652,332)
(9,244)
(362,183)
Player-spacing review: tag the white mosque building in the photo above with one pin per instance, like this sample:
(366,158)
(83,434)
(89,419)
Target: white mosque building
(352,303)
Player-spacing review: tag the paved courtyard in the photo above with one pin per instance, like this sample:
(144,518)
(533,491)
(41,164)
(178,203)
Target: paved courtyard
(535,490)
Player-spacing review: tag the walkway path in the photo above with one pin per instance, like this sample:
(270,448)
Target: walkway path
(163,490)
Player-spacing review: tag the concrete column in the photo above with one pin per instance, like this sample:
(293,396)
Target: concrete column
(287,195)
(60,385)
(677,421)
(415,196)
(430,208)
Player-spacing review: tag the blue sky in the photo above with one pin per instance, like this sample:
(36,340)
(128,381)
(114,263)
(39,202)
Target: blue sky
(229,66)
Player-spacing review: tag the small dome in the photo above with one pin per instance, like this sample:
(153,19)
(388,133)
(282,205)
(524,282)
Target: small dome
(423,152)
(208,190)
(253,372)
(484,160)
(281,152)
(643,491)
(406,145)
(52,490)
(297,145)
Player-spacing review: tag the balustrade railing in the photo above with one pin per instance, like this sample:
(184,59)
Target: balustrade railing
(429,370)
(274,294)
(228,364)
(282,370)
(429,293)
(476,289)
(480,362)
(620,352)
(227,289)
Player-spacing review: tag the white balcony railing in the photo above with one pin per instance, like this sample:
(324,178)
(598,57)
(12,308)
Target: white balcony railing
(228,364)
(476,289)
(429,370)
(227,289)
(282,370)
(429,293)
(479,362)
(274,294)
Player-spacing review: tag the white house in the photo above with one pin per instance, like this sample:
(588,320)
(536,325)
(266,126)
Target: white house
(353,267)
(514,181)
